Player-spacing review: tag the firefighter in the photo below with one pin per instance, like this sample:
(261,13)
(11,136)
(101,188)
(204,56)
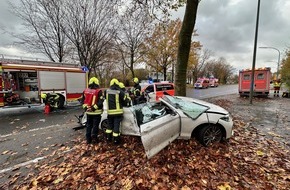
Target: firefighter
(93,106)
(136,91)
(277,86)
(115,102)
(51,99)
(127,99)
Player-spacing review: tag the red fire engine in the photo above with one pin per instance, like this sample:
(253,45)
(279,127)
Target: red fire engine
(213,82)
(262,78)
(201,83)
(23,81)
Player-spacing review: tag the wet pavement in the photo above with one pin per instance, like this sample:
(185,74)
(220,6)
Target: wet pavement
(270,116)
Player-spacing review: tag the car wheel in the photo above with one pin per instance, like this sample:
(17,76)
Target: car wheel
(209,134)
(104,125)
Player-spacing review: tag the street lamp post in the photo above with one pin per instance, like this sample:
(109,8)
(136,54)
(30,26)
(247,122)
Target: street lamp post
(278,63)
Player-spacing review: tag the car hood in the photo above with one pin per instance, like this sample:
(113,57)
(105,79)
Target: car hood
(212,107)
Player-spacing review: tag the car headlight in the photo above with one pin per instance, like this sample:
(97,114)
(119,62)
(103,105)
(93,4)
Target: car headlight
(226,118)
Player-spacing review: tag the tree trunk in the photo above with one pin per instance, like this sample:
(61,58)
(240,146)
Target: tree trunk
(164,73)
(184,46)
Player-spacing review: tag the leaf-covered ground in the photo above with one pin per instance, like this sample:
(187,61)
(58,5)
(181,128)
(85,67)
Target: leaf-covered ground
(249,160)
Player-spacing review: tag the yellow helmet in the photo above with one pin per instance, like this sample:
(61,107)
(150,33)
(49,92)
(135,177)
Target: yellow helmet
(114,81)
(94,80)
(43,96)
(136,80)
(121,85)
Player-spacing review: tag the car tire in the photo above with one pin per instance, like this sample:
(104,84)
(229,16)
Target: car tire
(209,134)
(104,125)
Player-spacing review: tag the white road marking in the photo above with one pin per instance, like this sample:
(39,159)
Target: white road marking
(22,164)
(30,161)
(35,160)
(36,129)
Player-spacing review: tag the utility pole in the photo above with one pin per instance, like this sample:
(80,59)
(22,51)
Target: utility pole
(254,56)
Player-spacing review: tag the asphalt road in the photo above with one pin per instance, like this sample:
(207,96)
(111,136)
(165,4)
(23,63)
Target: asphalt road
(212,92)
(27,135)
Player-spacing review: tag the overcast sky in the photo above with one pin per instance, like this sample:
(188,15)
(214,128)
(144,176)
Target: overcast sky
(226,27)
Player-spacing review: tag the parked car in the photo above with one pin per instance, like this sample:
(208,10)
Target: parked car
(201,83)
(160,123)
(155,91)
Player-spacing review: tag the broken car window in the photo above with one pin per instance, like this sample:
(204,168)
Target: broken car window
(148,112)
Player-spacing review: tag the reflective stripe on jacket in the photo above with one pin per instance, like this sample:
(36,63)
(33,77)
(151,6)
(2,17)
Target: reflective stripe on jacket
(137,90)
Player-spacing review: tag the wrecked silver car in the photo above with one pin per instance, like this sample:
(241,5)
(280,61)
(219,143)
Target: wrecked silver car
(160,123)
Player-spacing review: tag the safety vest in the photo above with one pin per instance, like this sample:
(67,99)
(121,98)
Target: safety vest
(113,102)
(91,100)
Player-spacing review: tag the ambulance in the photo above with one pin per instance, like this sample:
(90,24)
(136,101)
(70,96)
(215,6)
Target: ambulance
(262,79)
(157,90)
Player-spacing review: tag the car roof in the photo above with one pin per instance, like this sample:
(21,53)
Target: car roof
(145,86)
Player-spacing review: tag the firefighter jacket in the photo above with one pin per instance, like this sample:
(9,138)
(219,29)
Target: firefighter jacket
(115,100)
(51,99)
(137,90)
(93,101)
(127,99)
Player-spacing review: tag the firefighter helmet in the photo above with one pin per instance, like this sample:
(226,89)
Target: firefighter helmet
(43,96)
(121,85)
(136,80)
(94,80)
(114,81)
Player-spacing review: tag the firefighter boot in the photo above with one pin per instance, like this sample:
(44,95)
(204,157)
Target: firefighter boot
(109,137)
(117,140)
(95,139)
(89,141)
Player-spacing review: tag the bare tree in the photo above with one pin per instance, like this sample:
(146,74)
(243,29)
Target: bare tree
(134,26)
(203,59)
(43,21)
(90,26)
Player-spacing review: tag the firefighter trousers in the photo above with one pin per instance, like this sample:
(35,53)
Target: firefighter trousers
(114,122)
(92,131)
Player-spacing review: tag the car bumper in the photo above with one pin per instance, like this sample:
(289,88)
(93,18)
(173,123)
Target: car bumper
(228,126)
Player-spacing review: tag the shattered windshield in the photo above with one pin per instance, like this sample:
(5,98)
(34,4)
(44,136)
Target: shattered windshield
(191,109)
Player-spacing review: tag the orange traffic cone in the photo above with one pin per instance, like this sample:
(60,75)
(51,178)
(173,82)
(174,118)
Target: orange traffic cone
(46,109)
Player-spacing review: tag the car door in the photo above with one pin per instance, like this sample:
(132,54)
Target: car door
(159,133)
(151,93)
